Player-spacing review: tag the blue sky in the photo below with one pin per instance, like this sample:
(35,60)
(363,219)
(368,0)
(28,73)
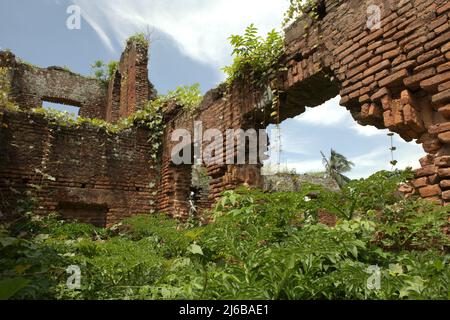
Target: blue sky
(190,45)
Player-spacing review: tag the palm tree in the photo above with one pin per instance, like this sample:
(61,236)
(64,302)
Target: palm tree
(336,166)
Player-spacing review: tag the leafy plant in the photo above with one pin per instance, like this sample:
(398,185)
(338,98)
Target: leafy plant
(5,88)
(102,71)
(188,96)
(140,38)
(259,246)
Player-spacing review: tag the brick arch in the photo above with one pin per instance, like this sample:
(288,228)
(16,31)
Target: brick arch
(395,77)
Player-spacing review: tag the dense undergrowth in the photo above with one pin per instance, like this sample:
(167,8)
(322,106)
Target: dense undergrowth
(259,246)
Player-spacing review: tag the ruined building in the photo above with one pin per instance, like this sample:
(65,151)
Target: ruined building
(394,76)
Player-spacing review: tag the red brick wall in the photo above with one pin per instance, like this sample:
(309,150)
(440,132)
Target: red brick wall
(129,89)
(94,172)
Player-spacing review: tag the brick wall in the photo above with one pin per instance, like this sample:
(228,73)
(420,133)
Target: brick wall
(83,172)
(395,77)
(32,85)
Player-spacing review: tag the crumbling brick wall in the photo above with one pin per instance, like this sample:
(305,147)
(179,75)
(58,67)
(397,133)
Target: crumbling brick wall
(129,89)
(82,172)
(31,85)
(221,109)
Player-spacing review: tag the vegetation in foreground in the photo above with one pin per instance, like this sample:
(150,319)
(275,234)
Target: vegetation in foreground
(259,246)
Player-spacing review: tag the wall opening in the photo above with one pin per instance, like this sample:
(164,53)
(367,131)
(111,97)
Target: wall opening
(296,149)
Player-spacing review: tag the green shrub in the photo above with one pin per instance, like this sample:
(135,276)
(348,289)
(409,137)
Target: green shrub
(260,246)
(254,56)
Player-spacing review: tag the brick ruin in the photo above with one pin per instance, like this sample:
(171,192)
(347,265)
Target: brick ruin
(395,77)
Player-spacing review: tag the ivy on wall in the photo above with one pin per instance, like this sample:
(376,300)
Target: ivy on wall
(5,88)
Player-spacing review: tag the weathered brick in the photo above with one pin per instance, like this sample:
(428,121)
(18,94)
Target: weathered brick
(444,86)
(442,161)
(444,38)
(430,191)
(431,84)
(444,172)
(394,79)
(443,9)
(426,171)
(443,67)
(444,137)
(380,66)
(413,82)
(421,182)
(446,195)
(445,184)
(445,111)
(439,128)
(442,97)
(427,160)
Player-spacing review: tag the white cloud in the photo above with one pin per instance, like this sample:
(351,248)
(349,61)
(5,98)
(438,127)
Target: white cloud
(366,164)
(305,166)
(328,114)
(367,131)
(331,114)
(200,27)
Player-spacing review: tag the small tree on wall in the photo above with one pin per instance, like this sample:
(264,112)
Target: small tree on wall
(336,166)
(104,71)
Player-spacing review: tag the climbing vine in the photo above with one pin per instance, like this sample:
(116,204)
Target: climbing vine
(150,116)
(5,88)
(189,97)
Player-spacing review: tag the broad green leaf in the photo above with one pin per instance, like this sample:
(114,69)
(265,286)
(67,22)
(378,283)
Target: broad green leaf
(9,287)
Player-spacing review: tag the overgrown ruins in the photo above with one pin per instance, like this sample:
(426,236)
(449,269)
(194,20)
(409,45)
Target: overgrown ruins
(395,77)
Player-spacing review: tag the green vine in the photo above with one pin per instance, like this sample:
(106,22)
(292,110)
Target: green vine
(189,97)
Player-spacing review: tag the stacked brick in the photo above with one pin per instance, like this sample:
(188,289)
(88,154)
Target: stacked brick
(175,187)
(135,89)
